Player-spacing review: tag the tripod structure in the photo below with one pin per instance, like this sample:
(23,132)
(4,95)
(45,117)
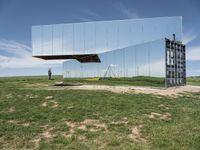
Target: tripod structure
(109,72)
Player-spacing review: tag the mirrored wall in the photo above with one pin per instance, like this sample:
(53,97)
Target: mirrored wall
(146,59)
(101,36)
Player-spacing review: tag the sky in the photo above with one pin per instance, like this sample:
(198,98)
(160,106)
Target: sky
(18,16)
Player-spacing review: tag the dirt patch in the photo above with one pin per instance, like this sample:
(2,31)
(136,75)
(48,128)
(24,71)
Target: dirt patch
(12,109)
(95,125)
(9,96)
(165,116)
(44,104)
(163,106)
(72,126)
(49,97)
(16,122)
(31,96)
(172,92)
(46,134)
(25,124)
(123,121)
(70,107)
(33,85)
(82,127)
(55,104)
(13,121)
(136,135)
(44,126)
(114,89)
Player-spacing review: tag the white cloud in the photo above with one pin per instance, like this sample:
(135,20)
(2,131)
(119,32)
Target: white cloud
(193,53)
(87,15)
(126,12)
(14,48)
(113,65)
(189,36)
(90,13)
(157,68)
(20,56)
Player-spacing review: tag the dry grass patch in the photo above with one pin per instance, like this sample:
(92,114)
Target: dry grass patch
(95,125)
(124,121)
(15,122)
(34,85)
(163,106)
(70,107)
(44,104)
(46,134)
(31,96)
(12,109)
(48,97)
(9,95)
(136,135)
(165,116)
(55,104)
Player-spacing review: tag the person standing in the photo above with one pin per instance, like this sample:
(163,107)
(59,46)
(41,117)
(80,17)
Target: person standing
(49,73)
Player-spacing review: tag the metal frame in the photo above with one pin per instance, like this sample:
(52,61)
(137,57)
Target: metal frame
(175,63)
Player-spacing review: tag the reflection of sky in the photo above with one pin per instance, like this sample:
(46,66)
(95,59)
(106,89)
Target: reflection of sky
(98,37)
(140,60)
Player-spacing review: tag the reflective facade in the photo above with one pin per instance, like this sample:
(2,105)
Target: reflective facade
(101,36)
(147,59)
(119,48)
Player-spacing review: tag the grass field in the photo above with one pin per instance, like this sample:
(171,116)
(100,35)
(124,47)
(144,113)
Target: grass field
(35,118)
(136,81)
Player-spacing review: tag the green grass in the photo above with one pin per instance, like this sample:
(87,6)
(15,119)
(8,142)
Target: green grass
(134,81)
(193,81)
(23,118)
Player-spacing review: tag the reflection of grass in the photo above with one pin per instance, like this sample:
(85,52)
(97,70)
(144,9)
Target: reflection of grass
(134,81)
(23,119)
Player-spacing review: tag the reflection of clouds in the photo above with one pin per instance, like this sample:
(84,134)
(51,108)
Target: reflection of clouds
(157,68)
(113,65)
(100,37)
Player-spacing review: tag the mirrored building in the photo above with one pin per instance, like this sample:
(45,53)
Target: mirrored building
(118,48)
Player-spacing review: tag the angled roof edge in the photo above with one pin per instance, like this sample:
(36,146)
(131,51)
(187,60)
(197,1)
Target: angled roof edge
(134,19)
(161,39)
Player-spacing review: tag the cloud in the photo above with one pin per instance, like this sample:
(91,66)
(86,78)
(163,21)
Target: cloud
(113,65)
(91,13)
(193,53)
(87,15)
(189,37)
(126,12)
(14,48)
(155,68)
(20,56)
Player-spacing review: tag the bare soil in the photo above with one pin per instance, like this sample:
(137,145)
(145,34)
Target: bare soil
(173,92)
